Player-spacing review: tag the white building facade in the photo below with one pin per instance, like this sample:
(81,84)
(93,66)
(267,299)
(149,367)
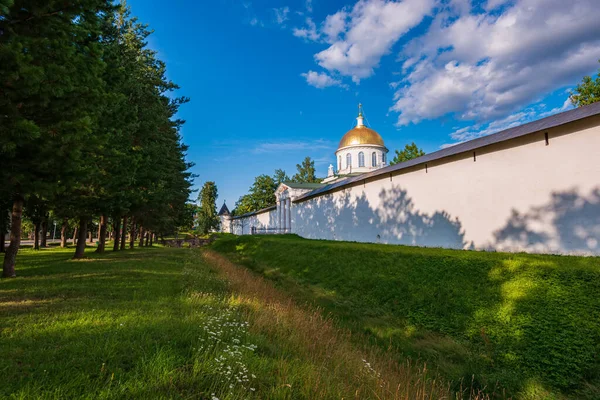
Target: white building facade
(533,188)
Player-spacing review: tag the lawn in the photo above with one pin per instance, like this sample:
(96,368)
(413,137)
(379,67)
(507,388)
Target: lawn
(184,324)
(529,323)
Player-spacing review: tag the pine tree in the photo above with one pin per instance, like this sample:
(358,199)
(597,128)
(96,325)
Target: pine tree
(207,211)
(280,176)
(587,92)
(409,152)
(306,172)
(51,64)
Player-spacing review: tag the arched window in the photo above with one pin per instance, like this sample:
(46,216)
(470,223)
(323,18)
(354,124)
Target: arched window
(339,162)
(383,157)
(374,159)
(348,160)
(361,159)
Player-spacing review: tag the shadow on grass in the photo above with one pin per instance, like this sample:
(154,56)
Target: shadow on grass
(530,322)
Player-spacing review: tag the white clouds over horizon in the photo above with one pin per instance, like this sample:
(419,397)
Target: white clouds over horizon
(475,64)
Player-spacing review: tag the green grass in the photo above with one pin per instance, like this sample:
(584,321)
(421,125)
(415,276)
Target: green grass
(529,322)
(124,325)
(166,323)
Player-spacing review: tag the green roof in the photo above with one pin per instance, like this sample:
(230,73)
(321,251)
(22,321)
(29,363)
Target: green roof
(302,185)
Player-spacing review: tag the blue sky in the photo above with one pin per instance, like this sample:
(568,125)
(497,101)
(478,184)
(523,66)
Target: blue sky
(273,81)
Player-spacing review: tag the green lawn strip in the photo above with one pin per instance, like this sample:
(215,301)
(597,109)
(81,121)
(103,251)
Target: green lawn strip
(143,323)
(530,322)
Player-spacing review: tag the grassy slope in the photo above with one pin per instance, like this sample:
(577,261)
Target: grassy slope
(172,323)
(530,322)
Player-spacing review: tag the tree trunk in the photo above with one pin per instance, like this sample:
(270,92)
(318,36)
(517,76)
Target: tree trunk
(36,236)
(116,233)
(63,233)
(75,236)
(43,239)
(8,268)
(124,234)
(80,249)
(132,233)
(102,235)
(91,236)
(2,235)
(141,237)
(151,237)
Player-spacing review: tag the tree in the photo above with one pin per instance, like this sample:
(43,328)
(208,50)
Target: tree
(279,176)
(306,172)
(409,152)
(207,211)
(587,92)
(261,195)
(89,129)
(51,66)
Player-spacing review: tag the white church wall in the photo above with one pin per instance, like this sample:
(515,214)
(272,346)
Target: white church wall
(367,150)
(519,195)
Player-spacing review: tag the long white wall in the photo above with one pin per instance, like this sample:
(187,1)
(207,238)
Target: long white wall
(519,195)
(267,219)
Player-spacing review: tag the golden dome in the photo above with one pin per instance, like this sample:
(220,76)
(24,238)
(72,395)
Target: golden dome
(361,135)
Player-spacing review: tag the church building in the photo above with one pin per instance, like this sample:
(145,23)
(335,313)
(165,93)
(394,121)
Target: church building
(532,187)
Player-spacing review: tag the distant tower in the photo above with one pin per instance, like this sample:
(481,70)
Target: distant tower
(225,218)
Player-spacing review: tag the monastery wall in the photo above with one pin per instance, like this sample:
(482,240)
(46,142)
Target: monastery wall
(262,220)
(517,195)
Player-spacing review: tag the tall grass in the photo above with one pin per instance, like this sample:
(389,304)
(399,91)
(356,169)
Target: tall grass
(526,323)
(179,323)
(334,366)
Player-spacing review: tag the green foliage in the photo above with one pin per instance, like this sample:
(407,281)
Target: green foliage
(409,152)
(530,322)
(587,92)
(260,195)
(280,176)
(306,172)
(207,218)
(89,122)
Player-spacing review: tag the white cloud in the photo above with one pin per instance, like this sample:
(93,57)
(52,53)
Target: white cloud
(309,32)
(371,29)
(514,119)
(493,4)
(334,25)
(567,105)
(473,132)
(485,66)
(321,79)
(309,5)
(281,14)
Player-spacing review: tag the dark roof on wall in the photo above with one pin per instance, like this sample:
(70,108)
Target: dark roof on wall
(249,214)
(224,210)
(508,134)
